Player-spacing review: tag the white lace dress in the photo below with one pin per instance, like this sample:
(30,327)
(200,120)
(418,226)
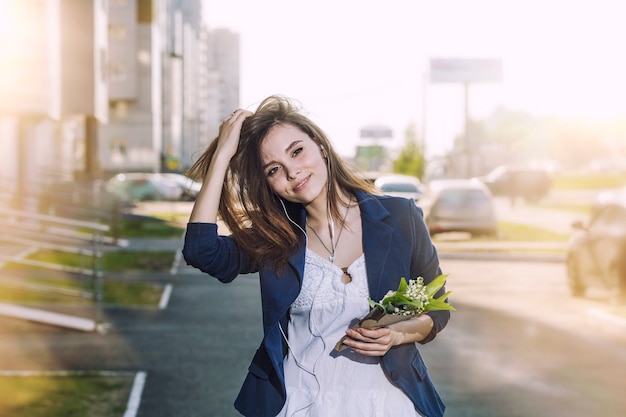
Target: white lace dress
(320,381)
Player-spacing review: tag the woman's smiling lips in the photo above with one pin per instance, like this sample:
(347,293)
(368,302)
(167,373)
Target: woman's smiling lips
(301,184)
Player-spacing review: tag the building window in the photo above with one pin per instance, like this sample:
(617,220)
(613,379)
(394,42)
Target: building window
(117,150)
(144,11)
(117,72)
(117,32)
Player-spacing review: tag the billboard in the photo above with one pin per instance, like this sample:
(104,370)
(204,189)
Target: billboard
(376,132)
(465,70)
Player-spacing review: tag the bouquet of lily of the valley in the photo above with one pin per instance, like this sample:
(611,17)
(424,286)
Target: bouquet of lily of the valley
(410,299)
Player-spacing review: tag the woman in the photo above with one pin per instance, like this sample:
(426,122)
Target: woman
(322,241)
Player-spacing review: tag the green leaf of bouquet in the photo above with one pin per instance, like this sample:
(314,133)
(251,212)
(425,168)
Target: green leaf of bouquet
(441,307)
(443,297)
(396,299)
(435,285)
(412,303)
(374,304)
(439,304)
(403,286)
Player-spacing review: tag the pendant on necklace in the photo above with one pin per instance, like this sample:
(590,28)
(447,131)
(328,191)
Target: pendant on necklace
(331,258)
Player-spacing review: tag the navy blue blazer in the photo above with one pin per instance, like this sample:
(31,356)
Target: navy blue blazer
(396,244)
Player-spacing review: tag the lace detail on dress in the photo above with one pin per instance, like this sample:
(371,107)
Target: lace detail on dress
(315,287)
(320,382)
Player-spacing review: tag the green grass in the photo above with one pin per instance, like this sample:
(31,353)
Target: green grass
(132,294)
(148,229)
(584,210)
(510,232)
(524,233)
(114,292)
(618,310)
(138,261)
(90,395)
(599,180)
(180,218)
(111,261)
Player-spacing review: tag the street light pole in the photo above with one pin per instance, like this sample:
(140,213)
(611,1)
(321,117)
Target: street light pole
(466,137)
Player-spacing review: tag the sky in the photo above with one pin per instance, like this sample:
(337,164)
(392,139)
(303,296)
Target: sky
(353,64)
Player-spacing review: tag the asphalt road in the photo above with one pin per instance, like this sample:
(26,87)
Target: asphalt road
(510,350)
(520,345)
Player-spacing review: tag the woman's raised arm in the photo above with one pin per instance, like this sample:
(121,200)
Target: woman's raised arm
(206,206)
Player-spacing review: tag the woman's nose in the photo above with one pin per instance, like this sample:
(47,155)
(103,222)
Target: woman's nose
(292,173)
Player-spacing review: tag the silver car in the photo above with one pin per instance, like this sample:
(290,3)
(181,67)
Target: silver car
(459,205)
(596,252)
(400,186)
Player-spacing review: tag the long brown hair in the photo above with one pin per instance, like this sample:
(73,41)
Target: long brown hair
(252,211)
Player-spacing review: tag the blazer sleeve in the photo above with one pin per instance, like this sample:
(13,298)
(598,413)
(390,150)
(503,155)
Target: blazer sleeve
(425,263)
(218,256)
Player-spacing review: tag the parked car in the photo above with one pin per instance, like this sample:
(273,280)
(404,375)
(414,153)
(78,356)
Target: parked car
(400,186)
(459,205)
(144,187)
(190,187)
(596,252)
(616,195)
(531,184)
(372,176)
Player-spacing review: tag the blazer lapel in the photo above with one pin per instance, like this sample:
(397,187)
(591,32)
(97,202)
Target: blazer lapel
(377,239)
(284,289)
(376,242)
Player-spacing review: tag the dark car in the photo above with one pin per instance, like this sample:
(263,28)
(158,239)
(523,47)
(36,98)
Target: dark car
(596,253)
(531,184)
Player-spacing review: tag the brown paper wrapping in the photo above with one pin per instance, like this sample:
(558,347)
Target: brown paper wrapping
(373,320)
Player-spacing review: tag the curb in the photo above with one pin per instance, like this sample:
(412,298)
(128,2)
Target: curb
(505,257)
(609,322)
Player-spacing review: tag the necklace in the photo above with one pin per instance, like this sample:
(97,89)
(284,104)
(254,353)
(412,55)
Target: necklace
(334,244)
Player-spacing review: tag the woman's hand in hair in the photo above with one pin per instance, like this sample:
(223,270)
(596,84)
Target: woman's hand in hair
(214,164)
(230,130)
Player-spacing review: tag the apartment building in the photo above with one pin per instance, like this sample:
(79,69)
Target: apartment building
(53,89)
(170,85)
(94,87)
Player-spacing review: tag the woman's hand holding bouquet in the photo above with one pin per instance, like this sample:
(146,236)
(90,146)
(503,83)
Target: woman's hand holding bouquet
(410,299)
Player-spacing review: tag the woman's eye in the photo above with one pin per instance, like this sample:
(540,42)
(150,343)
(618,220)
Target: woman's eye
(272,171)
(296,151)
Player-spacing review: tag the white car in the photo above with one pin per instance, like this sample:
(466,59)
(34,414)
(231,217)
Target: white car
(145,187)
(190,187)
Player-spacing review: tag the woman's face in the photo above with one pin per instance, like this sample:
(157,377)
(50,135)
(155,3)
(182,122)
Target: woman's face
(293,164)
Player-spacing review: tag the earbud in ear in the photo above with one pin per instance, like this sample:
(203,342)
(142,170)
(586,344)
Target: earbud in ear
(323,151)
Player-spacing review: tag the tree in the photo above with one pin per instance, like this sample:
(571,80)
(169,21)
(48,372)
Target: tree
(411,160)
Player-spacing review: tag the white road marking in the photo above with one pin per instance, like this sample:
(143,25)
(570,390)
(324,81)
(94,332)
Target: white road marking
(135,395)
